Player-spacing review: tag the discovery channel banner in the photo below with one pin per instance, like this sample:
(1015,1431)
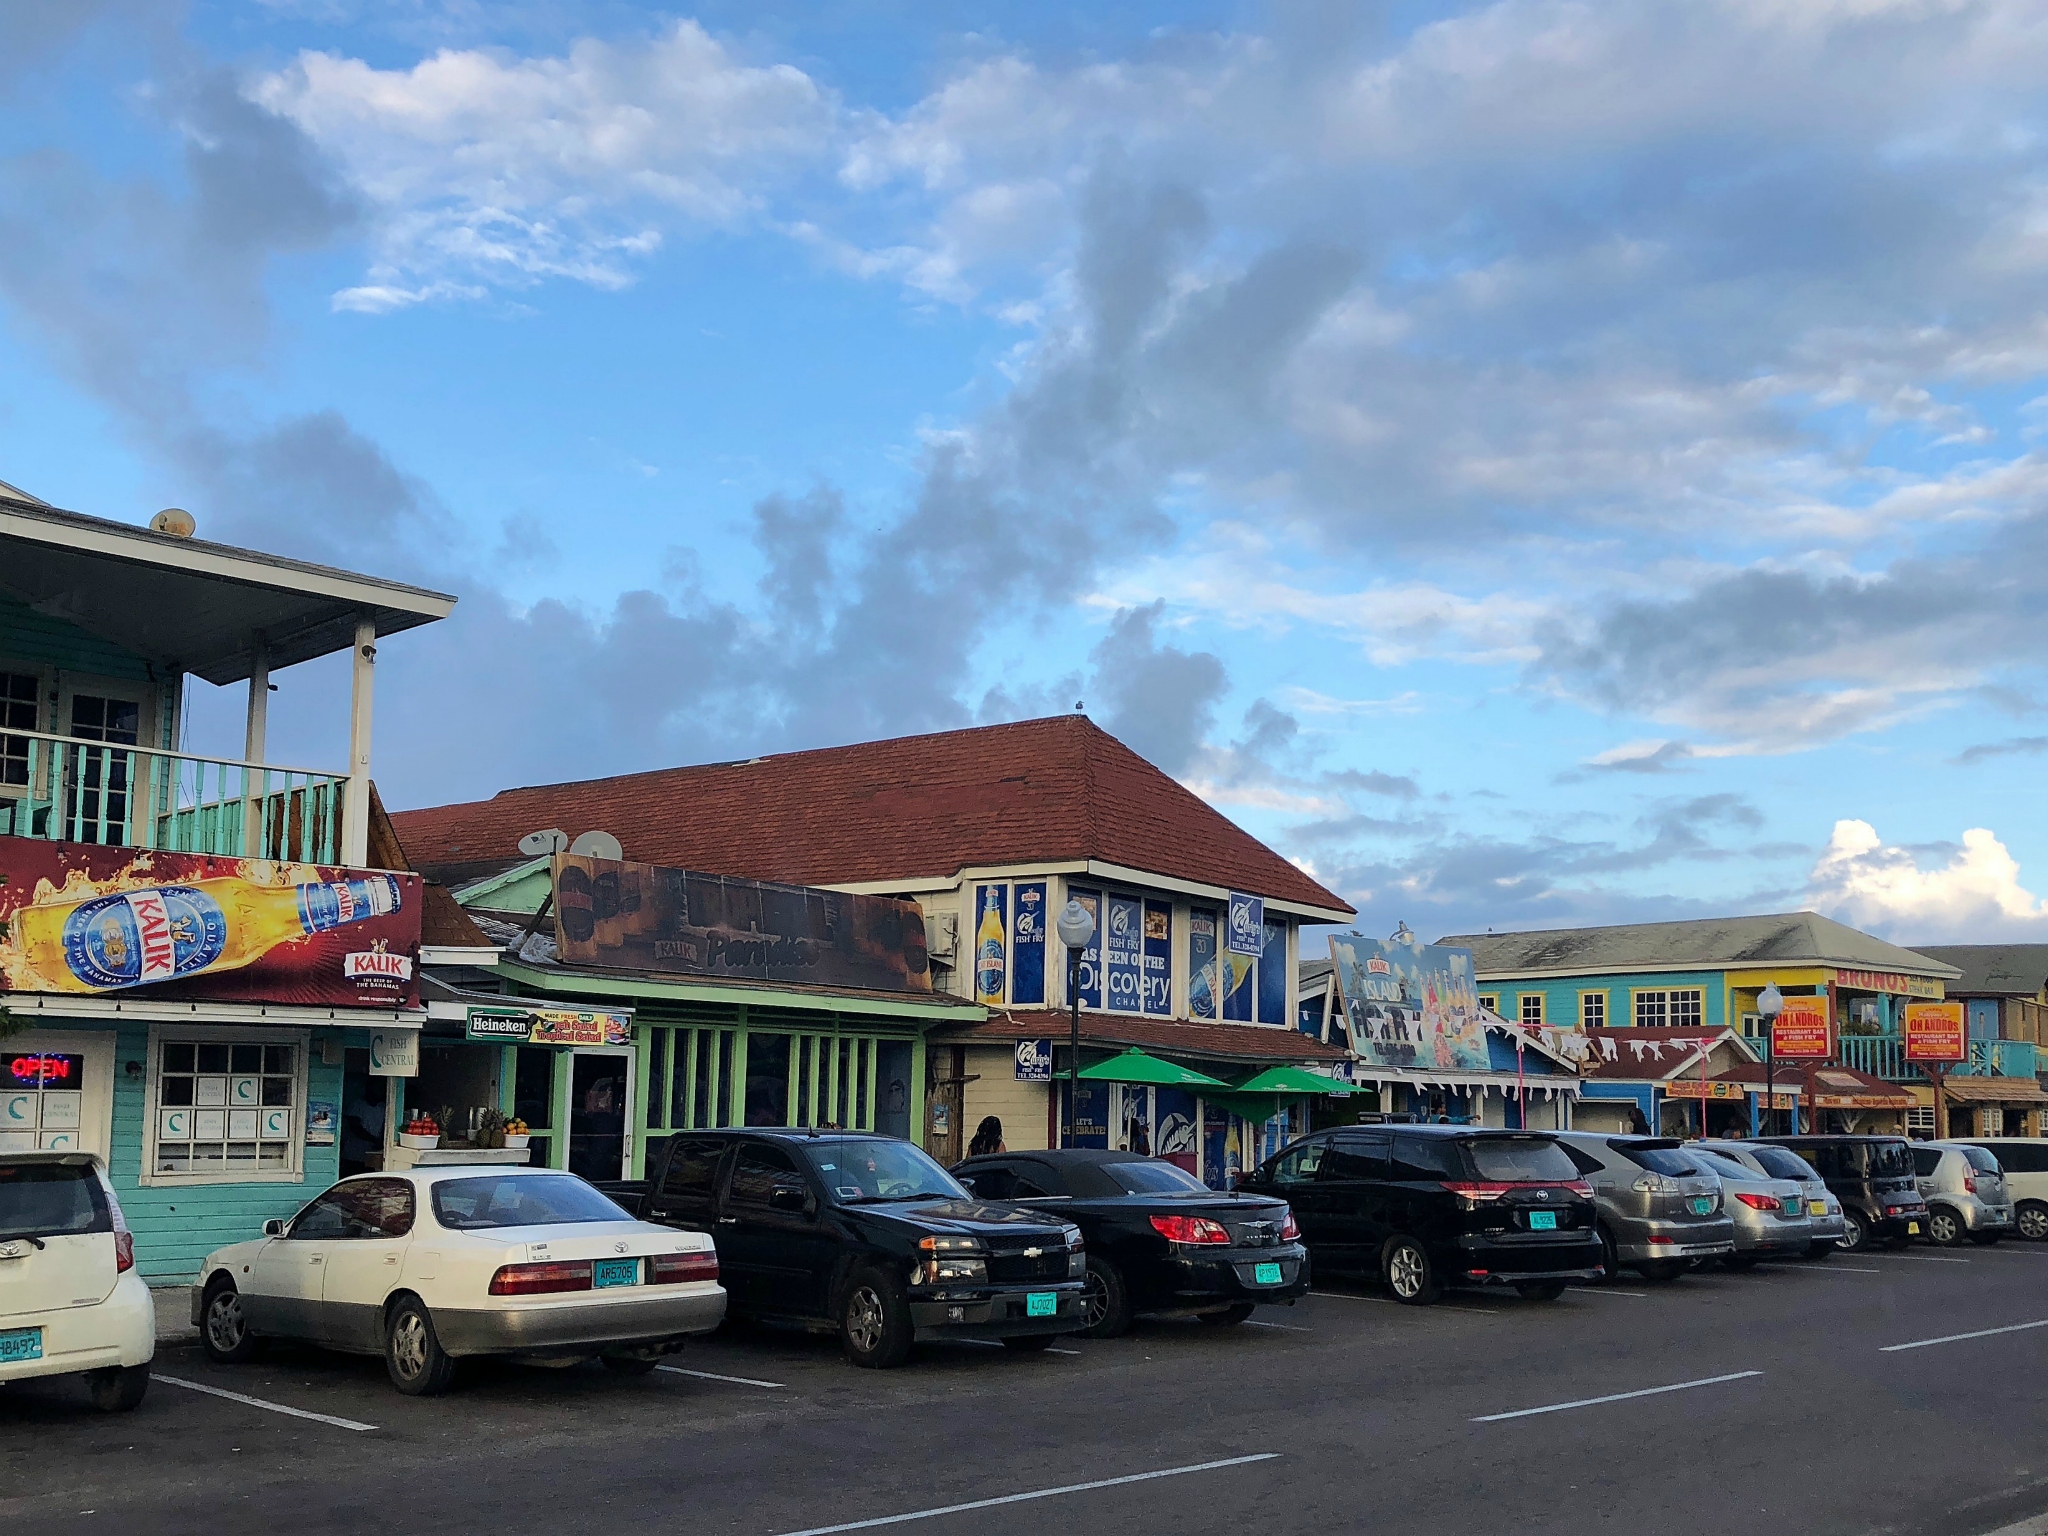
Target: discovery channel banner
(1410,1005)
(649,918)
(83,918)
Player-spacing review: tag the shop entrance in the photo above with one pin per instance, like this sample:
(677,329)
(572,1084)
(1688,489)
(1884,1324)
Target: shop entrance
(600,1092)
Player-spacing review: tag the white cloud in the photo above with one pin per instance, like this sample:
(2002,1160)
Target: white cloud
(1970,893)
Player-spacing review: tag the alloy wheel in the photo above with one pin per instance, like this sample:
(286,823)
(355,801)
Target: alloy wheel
(224,1322)
(1943,1228)
(409,1345)
(2033,1222)
(1404,1271)
(1852,1233)
(1095,1296)
(865,1320)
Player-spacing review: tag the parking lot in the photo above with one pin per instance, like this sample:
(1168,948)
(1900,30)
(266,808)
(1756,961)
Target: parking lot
(1891,1391)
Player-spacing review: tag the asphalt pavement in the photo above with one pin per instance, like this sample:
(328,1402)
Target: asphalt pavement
(1870,1393)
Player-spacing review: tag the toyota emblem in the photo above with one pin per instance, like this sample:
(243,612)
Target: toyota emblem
(618,1247)
(1541,1194)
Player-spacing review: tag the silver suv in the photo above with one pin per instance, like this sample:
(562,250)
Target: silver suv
(1965,1192)
(1659,1212)
(1823,1210)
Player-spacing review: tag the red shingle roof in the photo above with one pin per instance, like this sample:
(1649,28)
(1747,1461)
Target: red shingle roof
(1039,791)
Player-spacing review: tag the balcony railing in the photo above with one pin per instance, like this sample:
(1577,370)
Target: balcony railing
(1885,1056)
(66,790)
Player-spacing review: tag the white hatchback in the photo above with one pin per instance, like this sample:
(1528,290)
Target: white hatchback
(71,1303)
(438,1262)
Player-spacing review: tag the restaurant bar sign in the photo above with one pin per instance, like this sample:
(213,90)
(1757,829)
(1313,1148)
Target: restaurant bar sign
(551,1026)
(1935,1032)
(1801,1031)
(648,918)
(83,918)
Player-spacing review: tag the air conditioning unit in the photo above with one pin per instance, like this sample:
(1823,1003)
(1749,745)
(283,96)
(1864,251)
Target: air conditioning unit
(942,936)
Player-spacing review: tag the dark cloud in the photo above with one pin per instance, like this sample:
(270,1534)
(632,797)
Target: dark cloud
(1157,699)
(2012,746)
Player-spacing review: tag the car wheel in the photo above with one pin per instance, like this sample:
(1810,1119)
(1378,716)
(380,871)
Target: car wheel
(1229,1317)
(1107,1298)
(1541,1290)
(1945,1227)
(1029,1343)
(1661,1271)
(874,1321)
(412,1352)
(1855,1236)
(224,1328)
(1819,1252)
(2031,1220)
(629,1365)
(1409,1274)
(118,1388)
(1609,1259)
(1739,1263)
(1986,1239)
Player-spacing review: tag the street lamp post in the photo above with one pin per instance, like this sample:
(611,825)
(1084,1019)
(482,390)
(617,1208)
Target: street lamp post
(1770,1003)
(1076,927)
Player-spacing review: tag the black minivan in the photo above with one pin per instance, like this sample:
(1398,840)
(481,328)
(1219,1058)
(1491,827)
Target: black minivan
(1873,1178)
(1427,1206)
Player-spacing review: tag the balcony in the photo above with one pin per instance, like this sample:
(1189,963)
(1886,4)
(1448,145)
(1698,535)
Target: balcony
(62,789)
(1885,1056)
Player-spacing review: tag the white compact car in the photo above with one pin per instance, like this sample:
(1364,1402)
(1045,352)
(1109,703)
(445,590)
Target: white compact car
(71,1303)
(438,1262)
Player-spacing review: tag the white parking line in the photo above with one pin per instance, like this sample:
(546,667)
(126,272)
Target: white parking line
(1614,1397)
(1037,1493)
(1601,1290)
(257,1402)
(1824,1269)
(1050,1349)
(1924,1258)
(1253,1322)
(741,1381)
(1957,1338)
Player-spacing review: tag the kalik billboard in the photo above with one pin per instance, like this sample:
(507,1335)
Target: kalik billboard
(1410,1005)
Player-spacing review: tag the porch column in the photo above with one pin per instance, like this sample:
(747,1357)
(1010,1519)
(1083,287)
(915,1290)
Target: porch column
(355,813)
(254,783)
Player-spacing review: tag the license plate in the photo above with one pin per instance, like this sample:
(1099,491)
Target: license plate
(1912,1229)
(1816,1207)
(610,1272)
(1543,1221)
(1265,1274)
(1703,1205)
(1041,1304)
(21,1344)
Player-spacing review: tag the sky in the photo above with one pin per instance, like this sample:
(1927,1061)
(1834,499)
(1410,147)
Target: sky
(1532,463)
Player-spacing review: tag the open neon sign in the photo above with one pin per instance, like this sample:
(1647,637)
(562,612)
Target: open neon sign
(50,1071)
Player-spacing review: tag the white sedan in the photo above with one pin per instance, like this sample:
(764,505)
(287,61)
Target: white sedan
(439,1262)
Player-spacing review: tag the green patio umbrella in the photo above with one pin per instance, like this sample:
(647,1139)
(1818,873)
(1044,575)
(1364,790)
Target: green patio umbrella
(1134,1066)
(1292,1080)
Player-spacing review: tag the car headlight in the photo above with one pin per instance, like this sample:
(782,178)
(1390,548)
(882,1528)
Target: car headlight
(1071,1236)
(950,1261)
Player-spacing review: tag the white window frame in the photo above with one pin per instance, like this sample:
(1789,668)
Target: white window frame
(1666,996)
(224,1034)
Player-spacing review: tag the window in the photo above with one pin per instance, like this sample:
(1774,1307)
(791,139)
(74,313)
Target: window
(1424,1159)
(1130,966)
(97,796)
(42,1100)
(520,1200)
(1780,1164)
(1920,1121)
(1658,1157)
(1532,1009)
(1490,1001)
(657,1077)
(1241,989)
(760,1170)
(2023,1156)
(227,1108)
(1298,1165)
(359,1210)
(1925,1161)
(52,1200)
(693,1168)
(767,1079)
(1592,1010)
(18,711)
(1365,1158)
(875,1168)
(1155,1178)
(1681,1006)
(1519,1159)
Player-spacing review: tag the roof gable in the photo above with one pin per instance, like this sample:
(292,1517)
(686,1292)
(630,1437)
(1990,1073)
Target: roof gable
(2006,970)
(1057,790)
(1786,938)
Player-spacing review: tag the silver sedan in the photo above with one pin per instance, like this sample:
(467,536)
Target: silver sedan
(1823,1209)
(1770,1214)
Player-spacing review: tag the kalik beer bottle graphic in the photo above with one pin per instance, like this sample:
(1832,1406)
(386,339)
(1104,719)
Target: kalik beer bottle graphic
(988,952)
(166,932)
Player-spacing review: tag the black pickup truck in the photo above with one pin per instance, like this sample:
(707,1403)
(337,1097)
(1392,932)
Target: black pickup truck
(864,1236)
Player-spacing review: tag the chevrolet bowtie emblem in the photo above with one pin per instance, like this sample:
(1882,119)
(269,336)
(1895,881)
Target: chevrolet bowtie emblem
(1032,1253)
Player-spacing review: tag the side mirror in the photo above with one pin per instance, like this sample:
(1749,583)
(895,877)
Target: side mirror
(967,1183)
(787,1197)
(273,1228)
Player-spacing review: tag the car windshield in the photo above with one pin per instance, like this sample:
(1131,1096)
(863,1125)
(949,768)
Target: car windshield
(520,1200)
(1726,1164)
(1154,1178)
(1981,1160)
(1658,1157)
(1780,1164)
(876,1169)
(1891,1160)
(51,1200)
(1519,1159)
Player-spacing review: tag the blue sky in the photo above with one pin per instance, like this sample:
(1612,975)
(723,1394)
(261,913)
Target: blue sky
(1533,463)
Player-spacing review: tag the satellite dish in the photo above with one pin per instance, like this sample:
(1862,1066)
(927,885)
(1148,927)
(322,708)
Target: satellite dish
(175,521)
(537,844)
(598,845)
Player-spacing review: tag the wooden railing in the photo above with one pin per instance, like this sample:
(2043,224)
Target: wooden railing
(62,789)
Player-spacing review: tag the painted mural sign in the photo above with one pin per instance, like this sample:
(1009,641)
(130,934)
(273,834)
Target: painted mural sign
(1124,955)
(1027,945)
(649,918)
(1246,924)
(1410,1004)
(84,918)
(1935,1032)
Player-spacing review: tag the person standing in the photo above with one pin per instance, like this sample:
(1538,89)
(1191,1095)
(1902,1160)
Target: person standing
(988,1137)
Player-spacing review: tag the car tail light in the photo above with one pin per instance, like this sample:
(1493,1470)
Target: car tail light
(1580,1188)
(1476,1192)
(1290,1229)
(675,1268)
(1756,1202)
(1969,1183)
(540,1279)
(1190,1229)
(124,1252)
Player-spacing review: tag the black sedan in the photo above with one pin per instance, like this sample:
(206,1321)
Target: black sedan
(1158,1239)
